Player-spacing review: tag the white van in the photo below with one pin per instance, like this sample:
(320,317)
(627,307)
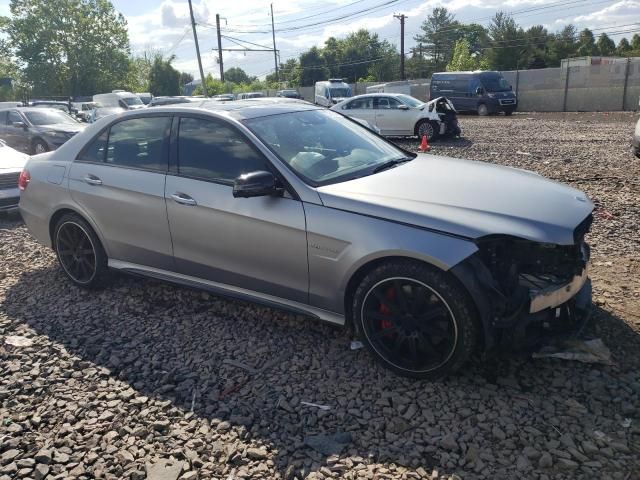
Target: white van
(127,100)
(331,92)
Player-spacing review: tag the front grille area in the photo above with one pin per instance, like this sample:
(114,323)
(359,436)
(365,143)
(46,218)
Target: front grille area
(9,180)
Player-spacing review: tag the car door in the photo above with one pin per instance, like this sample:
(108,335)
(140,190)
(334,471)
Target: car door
(3,125)
(259,243)
(118,181)
(390,119)
(17,136)
(361,108)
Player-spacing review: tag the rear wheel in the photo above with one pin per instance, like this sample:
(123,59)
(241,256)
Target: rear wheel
(483,110)
(80,252)
(415,319)
(430,129)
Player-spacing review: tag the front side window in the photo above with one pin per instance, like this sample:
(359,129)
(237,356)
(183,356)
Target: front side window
(211,150)
(322,146)
(388,103)
(139,143)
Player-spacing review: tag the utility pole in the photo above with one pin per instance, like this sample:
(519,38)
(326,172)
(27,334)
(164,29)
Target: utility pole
(220,48)
(195,38)
(401,17)
(275,52)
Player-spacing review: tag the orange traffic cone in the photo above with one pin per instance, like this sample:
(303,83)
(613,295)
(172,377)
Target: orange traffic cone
(424,145)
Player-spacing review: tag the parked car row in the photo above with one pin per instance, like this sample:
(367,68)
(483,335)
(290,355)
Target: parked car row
(12,163)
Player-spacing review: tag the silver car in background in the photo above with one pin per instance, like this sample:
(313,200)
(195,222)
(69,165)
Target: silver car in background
(428,258)
(12,164)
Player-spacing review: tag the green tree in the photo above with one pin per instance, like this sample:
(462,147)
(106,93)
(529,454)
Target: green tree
(635,42)
(289,72)
(163,78)
(69,47)
(313,67)
(214,86)
(439,32)
(606,46)
(476,36)
(237,75)
(508,43)
(586,44)
(463,59)
(562,45)
(623,47)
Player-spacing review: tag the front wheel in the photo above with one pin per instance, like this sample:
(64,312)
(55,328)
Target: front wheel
(430,129)
(483,110)
(415,319)
(508,113)
(39,146)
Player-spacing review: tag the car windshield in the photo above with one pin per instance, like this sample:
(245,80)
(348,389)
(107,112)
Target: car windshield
(132,101)
(323,147)
(51,117)
(495,83)
(339,92)
(411,101)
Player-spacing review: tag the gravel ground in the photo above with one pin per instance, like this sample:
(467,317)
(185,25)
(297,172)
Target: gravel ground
(146,380)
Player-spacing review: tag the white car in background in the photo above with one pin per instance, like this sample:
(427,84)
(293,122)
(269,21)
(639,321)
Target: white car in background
(12,163)
(400,115)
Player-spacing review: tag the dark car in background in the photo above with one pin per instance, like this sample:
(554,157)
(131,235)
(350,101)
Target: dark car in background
(58,105)
(288,94)
(36,130)
(481,92)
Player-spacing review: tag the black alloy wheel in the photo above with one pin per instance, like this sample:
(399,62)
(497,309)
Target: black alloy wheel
(80,252)
(415,319)
(409,323)
(76,252)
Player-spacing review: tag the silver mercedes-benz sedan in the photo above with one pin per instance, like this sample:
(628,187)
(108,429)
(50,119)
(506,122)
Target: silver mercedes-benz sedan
(427,258)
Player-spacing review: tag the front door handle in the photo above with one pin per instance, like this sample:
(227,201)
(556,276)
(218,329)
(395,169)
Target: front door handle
(183,199)
(92,180)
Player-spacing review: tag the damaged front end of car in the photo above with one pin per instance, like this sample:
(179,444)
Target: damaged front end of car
(527,292)
(442,110)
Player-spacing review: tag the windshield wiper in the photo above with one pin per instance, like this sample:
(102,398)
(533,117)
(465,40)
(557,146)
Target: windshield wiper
(391,163)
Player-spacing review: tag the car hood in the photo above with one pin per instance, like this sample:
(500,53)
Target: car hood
(11,160)
(465,198)
(62,127)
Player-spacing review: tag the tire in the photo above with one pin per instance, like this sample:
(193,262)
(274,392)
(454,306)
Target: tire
(483,110)
(39,146)
(508,113)
(430,129)
(74,240)
(438,335)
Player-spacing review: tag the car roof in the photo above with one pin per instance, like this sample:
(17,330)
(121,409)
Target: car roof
(30,109)
(379,95)
(241,109)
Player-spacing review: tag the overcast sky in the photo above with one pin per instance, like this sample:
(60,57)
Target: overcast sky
(164,25)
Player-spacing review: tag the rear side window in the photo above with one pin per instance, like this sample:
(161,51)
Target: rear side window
(96,150)
(361,104)
(387,103)
(139,143)
(211,150)
(3,118)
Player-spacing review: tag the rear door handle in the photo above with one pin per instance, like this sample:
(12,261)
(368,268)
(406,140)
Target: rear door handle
(183,199)
(92,180)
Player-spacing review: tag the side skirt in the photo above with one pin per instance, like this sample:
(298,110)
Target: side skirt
(227,291)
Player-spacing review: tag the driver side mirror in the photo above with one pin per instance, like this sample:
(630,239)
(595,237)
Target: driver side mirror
(19,125)
(256,184)
(479,91)
(403,107)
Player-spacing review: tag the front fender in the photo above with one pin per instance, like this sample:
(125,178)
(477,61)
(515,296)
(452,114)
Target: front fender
(340,243)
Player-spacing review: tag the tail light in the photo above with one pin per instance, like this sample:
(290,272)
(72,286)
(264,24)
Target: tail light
(23,180)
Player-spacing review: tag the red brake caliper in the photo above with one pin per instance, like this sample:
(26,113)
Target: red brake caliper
(385,310)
